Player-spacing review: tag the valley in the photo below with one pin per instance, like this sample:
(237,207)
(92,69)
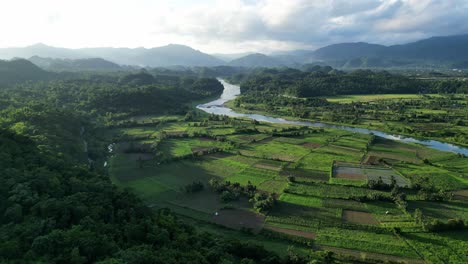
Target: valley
(360,196)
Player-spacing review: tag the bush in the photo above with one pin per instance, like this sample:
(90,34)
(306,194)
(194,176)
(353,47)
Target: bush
(439,226)
(194,187)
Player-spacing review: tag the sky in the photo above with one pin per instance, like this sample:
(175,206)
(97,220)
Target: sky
(227,26)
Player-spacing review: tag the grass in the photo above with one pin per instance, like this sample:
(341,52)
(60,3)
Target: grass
(385,243)
(250,176)
(183,146)
(275,150)
(440,177)
(301,200)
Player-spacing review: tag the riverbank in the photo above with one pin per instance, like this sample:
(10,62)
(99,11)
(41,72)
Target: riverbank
(232,91)
(231,105)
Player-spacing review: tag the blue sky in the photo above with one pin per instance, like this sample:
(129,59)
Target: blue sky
(227,26)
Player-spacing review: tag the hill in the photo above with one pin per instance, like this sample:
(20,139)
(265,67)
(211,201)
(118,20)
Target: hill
(435,51)
(347,51)
(19,70)
(92,64)
(256,60)
(171,55)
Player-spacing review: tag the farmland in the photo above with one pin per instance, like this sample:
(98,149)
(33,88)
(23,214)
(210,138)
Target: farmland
(357,195)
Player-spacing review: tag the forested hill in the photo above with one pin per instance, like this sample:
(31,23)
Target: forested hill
(19,70)
(323,81)
(91,64)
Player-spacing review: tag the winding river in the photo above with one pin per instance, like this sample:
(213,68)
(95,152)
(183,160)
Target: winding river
(231,91)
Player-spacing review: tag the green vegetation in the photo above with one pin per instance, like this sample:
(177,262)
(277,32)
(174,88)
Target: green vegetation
(122,169)
(426,108)
(311,194)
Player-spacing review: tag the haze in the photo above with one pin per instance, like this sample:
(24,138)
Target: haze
(229,26)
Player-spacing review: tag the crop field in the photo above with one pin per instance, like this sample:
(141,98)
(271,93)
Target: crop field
(307,175)
(345,99)
(319,181)
(351,173)
(357,217)
(239,219)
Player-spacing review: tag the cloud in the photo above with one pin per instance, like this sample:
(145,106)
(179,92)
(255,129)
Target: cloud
(305,23)
(228,25)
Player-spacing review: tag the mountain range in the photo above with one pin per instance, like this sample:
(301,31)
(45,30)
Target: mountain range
(446,51)
(169,55)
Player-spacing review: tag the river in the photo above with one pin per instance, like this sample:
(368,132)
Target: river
(231,91)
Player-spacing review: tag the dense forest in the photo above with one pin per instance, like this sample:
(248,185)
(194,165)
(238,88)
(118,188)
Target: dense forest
(324,81)
(56,208)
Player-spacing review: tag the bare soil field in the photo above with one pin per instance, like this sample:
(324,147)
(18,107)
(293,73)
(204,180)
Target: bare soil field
(461,195)
(357,217)
(293,232)
(351,173)
(371,160)
(306,174)
(267,166)
(176,133)
(200,149)
(311,145)
(237,219)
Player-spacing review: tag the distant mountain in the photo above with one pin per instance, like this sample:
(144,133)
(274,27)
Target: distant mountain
(347,51)
(92,64)
(448,51)
(39,50)
(169,55)
(176,55)
(230,56)
(20,70)
(431,51)
(447,48)
(256,60)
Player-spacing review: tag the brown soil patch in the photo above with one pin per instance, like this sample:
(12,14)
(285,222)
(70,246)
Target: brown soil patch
(200,149)
(246,138)
(311,145)
(370,255)
(267,166)
(238,219)
(176,133)
(350,176)
(219,155)
(293,232)
(461,195)
(265,140)
(357,217)
(372,160)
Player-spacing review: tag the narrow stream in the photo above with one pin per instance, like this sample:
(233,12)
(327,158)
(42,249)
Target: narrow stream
(231,91)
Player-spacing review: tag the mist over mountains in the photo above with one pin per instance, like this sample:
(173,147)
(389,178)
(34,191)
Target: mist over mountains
(447,51)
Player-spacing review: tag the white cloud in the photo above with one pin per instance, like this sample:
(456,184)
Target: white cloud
(227,25)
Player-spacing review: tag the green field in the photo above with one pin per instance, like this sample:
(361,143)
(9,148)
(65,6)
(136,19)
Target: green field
(299,172)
